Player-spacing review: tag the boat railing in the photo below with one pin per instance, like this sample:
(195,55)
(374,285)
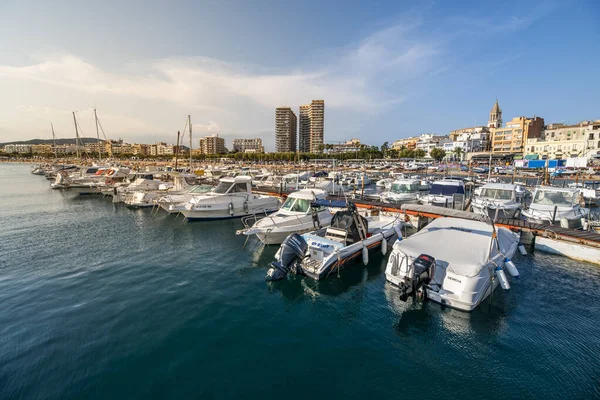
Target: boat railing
(249,220)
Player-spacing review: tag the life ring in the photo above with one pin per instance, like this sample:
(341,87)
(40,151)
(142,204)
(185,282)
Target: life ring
(110,172)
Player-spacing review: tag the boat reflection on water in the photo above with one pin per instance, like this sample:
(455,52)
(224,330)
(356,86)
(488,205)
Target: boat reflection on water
(420,317)
(297,286)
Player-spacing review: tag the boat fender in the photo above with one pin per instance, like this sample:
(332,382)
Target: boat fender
(245,207)
(231,212)
(398,232)
(502,278)
(512,269)
(522,250)
(365,255)
(383,245)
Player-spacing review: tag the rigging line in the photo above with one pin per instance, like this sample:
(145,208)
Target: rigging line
(102,129)
(80,137)
(183,134)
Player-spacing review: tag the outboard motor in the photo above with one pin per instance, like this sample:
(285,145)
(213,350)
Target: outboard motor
(420,274)
(292,250)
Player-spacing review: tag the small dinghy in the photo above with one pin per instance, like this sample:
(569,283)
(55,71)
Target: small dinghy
(326,251)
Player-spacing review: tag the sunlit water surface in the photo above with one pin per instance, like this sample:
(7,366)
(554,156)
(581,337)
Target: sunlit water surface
(100,301)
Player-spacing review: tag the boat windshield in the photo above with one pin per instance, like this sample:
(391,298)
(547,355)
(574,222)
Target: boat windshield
(497,194)
(296,205)
(200,188)
(222,187)
(548,198)
(403,188)
(446,190)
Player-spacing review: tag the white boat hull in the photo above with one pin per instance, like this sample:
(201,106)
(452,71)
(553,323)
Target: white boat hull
(221,210)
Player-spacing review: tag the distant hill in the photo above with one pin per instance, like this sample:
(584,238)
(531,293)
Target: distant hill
(50,141)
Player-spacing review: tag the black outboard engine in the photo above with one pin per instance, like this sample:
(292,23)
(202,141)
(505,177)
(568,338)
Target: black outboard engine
(292,250)
(420,274)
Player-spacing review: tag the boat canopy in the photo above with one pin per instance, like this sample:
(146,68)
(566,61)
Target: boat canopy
(330,203)
(461,246)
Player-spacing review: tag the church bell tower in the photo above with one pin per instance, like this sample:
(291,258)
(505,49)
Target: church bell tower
(495,117)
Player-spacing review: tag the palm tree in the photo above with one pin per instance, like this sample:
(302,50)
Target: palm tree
(458,152)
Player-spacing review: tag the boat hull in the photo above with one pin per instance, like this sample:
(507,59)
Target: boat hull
(222,211)
(347,256)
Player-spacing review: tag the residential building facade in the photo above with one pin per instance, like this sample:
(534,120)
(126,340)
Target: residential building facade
(407,143)
(429,141)
(285,130)
(512,138)
(248,145)
(350,146)
(559,141)
(212,145)
(304,129)
(17,148)
(42,149)
(312,126)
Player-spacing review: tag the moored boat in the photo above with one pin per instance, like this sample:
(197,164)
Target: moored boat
(326,251)
(298,214)
(454,262)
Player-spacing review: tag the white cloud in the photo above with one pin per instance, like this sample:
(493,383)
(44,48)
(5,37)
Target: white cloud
(153,97)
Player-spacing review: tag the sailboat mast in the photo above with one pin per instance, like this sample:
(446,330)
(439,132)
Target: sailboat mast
(54,141)
(98,133)
(177,149)
(190,124)
(76,135)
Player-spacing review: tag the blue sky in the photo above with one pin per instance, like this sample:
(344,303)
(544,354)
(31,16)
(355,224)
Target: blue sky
(386,69)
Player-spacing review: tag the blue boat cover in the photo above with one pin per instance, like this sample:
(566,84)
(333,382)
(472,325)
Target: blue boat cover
(330,203)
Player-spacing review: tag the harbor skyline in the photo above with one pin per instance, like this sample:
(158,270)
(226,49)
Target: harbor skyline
(386,74)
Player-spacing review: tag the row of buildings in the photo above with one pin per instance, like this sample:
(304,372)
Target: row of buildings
(303,134)
(207,145)
(521,137)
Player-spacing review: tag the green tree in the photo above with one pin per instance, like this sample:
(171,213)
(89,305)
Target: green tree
(420,153)
(458,151)
(437,153)
(384,148)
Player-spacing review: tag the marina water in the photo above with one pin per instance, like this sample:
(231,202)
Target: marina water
(100,301)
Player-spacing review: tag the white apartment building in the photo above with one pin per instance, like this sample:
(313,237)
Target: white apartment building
(248,145)
(17,148)
(429,141)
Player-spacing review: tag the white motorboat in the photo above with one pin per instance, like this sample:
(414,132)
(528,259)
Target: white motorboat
(147,197)
(385,183)
(89,184)
(231,198)
(136,182)
(556,205)
(444,193)
(503,200)
(174,202)
(296,215)
(402,191)
(454,262)
(326,251)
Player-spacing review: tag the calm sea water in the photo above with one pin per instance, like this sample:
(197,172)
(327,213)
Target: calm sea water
(99,301)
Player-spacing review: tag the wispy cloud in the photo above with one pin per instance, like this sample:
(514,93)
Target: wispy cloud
(356,78)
